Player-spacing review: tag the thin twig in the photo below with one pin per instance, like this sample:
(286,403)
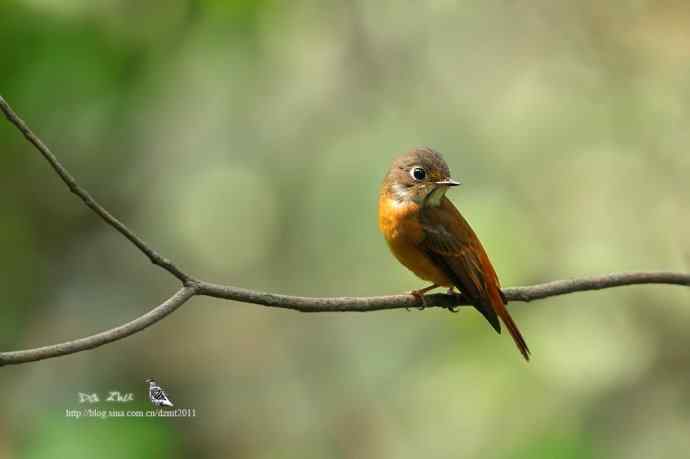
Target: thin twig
(194,287)
(563,287)
(86,197)
(99,339)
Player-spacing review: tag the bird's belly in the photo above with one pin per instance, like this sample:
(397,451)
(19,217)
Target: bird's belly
(403,232)
(418,262)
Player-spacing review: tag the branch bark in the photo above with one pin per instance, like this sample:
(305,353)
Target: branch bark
(441,300)
(86,197)
(192,287)
(99,339)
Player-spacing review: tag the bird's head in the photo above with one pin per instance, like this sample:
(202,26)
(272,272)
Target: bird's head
(421,176)
(150,380)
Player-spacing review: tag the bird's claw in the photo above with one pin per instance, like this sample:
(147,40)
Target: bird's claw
(453,309)
(420,297)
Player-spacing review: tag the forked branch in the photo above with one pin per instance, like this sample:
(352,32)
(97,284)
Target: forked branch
(192,287)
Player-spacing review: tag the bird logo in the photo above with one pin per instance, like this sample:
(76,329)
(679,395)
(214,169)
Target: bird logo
(157,395)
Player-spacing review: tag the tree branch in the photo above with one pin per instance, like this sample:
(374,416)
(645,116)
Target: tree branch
(192,286)
(380,303)
(86,197)
(99,339)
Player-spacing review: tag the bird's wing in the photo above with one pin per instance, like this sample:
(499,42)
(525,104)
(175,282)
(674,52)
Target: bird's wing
(452,244)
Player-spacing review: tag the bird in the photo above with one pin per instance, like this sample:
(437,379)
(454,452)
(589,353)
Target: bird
(429,236)
(157,395)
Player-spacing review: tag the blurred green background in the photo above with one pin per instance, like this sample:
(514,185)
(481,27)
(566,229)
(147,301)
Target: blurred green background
(247,141)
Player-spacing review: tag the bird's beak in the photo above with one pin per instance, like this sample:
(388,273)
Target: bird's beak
(448,182)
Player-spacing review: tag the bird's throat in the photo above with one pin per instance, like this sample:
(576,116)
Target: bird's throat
(433,199)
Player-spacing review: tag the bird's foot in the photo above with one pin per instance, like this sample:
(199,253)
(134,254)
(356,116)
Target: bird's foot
(453,309)
(419,295)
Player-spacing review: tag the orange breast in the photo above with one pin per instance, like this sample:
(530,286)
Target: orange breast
(400,225)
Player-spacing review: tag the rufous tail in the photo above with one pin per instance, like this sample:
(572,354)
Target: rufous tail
(500,308)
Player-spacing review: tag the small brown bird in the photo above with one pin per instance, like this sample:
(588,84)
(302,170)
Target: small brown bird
(428,235)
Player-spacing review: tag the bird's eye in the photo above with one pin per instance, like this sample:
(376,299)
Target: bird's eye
(418,173)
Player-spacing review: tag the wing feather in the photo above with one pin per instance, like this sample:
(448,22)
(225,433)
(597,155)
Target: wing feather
(452,244)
